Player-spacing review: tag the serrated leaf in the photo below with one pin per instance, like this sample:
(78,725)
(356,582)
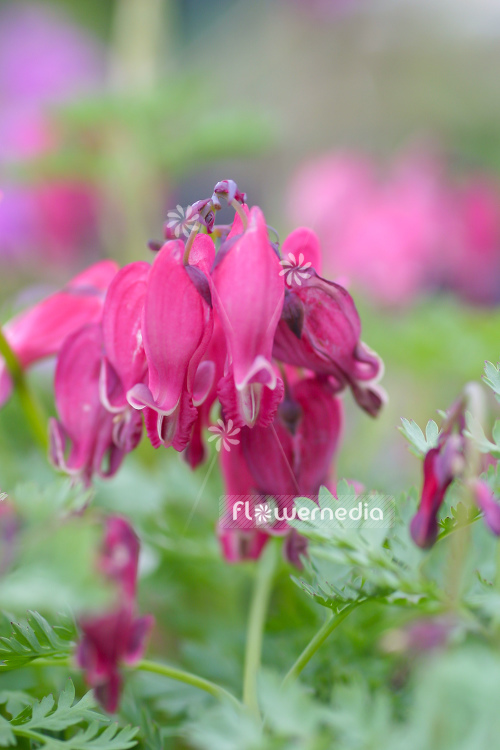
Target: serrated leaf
(34,639)
(412,432)
(432,433)
(492,377)
(475,432)
(48,716)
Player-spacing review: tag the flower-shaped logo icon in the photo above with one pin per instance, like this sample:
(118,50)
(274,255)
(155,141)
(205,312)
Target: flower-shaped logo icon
(262,514)
(3,496)
(224,434)
(295,271)
(182,220)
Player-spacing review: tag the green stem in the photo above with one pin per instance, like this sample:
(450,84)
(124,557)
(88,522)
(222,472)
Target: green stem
(163,669)
(317,641)
(190,679)
(33,412)
(256,622)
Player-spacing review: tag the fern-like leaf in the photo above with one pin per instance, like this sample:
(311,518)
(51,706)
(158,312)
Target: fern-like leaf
(46,719)
(34,639)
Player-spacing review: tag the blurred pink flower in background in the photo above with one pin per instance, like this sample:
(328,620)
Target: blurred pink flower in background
(44,60)
(409,233)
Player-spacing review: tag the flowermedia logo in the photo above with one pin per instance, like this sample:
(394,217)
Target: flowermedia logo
(295,271)
(361,511)
(182,220)
(225,435)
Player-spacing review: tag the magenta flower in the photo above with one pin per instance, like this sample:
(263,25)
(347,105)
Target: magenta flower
(40,331)
(238,545)
(487,503)
(83,423)
(176,330)
(320,330)
(214,361)
(108,641)
(441,466)
(118,636)
(294,456)
(290,458)
(124,357)
(239,541)
(119,557)
(248,297)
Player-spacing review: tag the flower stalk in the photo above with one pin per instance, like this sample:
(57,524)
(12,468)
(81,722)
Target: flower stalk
(266,568)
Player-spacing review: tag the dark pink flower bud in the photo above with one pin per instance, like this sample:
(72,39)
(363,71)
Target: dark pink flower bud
(441,466)
(229,190)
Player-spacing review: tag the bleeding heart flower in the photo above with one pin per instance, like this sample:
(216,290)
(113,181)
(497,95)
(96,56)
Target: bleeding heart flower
(248,297)
(40,331)
(84,423)
(176,329)
(320,330)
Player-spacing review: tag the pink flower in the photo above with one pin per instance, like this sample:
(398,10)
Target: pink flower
(124,357)
(404,235)
(177,326)
(117,636)
(119,558)
(238,545)
(487,503)
(214,359)
(248,297)
(107,642)
(472,253)
(292,457)
(40,331)
(84,423)
(320,330)
(441,466)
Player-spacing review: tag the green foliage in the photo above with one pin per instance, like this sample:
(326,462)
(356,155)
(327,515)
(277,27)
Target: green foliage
(492,378)
(46,722)
(419,442)
(34,639)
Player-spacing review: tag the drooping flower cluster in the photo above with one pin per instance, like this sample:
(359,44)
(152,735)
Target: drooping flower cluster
(412,232)
(238,324)
(117,636)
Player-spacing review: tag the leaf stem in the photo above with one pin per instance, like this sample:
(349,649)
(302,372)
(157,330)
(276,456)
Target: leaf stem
(266,568)
(189,679)
(317,641)
(172,673)
(32,411)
